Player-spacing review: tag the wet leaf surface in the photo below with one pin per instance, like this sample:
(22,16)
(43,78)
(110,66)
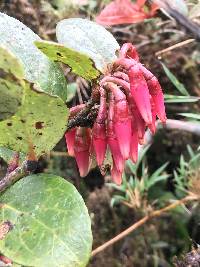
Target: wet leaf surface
(89,38)
(19,39)
(50,223)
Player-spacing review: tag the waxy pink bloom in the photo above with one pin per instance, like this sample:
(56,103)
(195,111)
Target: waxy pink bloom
(82,150)
(112,140)
(134,146)
(122,121)
(70,141)
(116,175)
(99,130)
(125,12)
(130,99)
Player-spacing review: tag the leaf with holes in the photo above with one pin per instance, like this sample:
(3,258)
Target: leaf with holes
(41,121)
(19,39)
(9,63)
(88,38)
(80,64)
(10,98)
(45,222)
(27,116)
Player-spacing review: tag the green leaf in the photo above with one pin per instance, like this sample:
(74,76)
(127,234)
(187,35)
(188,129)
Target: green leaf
(49,223)
(80,64)
(181,99)
(11,91)
(191,115)
(134,166)
(179,86)
(27,116)
(19,39)
(116,200)
(10,98)
(89,38)
(7,154)
(41,120)
(10,64)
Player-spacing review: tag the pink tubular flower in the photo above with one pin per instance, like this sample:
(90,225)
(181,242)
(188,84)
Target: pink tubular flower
(129,51)
(70,141)
(112,139)
(134,145)
(129,98)
(122,122)
(152,126)
(155,91)
(99,130)
(116,175)
(82,150)
(140,93)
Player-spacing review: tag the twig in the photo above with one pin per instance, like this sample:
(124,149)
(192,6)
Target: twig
(14,176)
(187,126)
(139,223)
(85,117)
(182,20)
(174,47)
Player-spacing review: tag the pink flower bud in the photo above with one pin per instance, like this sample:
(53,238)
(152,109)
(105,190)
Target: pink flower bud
(129,51)
(70,140)
(81,150)
(159,105)
(140,93)
(99,142)
(116,175)
(137,121)
(156,93)
(134,143)
(152,126)
(116,154)
(99,130)
(111,138)
(122,122)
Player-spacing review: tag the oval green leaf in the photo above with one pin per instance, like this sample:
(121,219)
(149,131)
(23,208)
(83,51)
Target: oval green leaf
(40,121)
(19,39)
(10,64)
(80,64)
(10,98)
(11,91)
(48,223)
(88,38)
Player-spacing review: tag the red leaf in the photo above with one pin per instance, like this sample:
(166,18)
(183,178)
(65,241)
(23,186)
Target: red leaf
(124,12)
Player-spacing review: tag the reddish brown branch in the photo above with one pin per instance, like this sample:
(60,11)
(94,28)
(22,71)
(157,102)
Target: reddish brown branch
(14,176)
(139,223)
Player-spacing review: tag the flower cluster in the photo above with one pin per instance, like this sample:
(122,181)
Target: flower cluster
(130,98)
(124,11)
